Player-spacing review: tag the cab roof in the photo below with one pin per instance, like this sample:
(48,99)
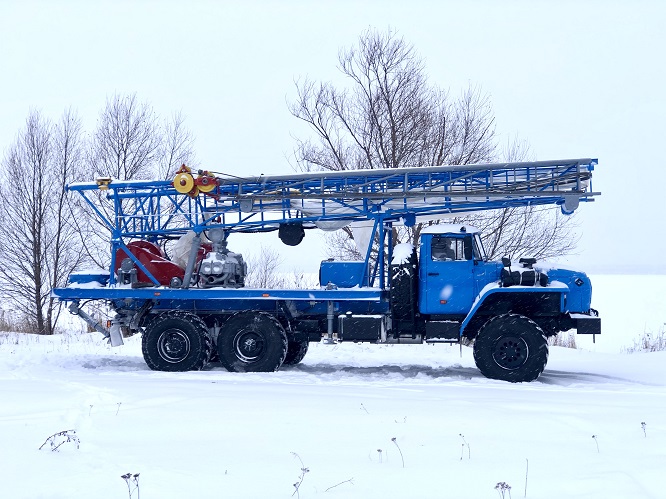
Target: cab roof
(449,229)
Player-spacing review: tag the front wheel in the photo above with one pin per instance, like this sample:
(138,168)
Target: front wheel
(252,342)
(511,348)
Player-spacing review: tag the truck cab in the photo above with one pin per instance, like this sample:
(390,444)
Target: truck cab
(453,269)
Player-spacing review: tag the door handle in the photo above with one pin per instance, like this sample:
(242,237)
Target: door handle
(433,273)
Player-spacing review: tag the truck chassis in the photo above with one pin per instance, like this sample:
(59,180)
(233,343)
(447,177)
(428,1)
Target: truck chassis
(199,311)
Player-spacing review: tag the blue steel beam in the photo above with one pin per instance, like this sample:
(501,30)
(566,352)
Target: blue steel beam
(150,209)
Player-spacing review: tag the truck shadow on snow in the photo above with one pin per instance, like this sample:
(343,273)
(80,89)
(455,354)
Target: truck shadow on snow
(119,364)
(569,378)
(454,372)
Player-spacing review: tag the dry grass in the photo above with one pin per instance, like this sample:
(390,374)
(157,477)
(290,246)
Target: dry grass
(565,339)
(649,342)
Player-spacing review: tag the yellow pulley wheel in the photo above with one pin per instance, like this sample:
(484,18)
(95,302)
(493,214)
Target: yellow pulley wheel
(206,184)
(183,182)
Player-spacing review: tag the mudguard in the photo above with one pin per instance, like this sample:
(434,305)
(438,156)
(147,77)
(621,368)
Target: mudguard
(494,288)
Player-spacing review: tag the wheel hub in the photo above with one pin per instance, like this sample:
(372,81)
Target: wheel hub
(510,352)
(248,345)
(173,345)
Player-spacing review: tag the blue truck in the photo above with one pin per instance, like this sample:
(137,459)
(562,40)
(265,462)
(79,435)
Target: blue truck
(173,278)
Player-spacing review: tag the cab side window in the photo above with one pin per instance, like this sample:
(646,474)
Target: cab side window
(445,249)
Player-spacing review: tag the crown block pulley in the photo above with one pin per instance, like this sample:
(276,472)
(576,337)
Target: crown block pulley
(185,183)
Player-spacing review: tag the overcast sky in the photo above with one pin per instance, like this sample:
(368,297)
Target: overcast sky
(575,79)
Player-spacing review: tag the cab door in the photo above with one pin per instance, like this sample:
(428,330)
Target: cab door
(446,274)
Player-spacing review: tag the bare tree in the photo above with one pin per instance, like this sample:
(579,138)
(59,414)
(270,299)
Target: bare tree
(130,144)
(48,232)
(39,248)
(23,217)
(176,148)
(64,250)
(534,231)
(127,140)
(538,232)
(341,244)
(262,269)
(390,116)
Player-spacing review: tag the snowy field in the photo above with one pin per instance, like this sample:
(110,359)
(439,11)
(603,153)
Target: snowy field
(366,421)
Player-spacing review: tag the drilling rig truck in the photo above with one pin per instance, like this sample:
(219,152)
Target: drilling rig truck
(173,278)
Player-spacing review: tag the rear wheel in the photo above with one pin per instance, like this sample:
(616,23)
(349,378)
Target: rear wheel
(176,341)
(252,342)
(512,348)
(296,351)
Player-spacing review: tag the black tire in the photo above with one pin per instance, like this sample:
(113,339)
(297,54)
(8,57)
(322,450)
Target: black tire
(176,341)
(296,351)
(252,342)
(511,348)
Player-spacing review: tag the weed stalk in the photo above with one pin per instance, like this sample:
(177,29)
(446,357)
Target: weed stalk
(394,440)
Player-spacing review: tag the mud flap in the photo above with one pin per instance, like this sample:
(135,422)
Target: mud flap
(116,336)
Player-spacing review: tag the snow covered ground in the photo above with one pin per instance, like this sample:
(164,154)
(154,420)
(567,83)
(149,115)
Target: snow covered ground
(218,434)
